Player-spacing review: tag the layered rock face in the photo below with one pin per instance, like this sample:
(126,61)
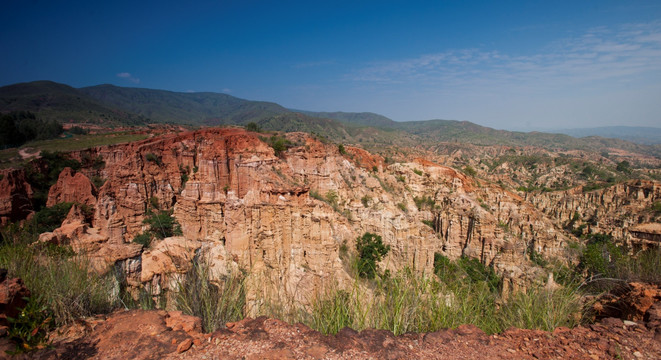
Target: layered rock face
(285,218)
(614,210)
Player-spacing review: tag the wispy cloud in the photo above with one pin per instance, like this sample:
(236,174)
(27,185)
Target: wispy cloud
(129,77)
(601,54)
(226,90)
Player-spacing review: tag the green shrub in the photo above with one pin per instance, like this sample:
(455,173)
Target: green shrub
(401,178)
(418,172)
(251,126)
(44,172)
(143,239)
(49,219)
(468,170)
(215,303)
(402,207)
(332,197)
(656,207)
(151,157)
(163,225)
(424,202)
(370,251)
(341,149)
(29,330)
(278,143)
(365,200)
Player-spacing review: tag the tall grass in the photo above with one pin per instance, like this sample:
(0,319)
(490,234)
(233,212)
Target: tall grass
(215,302)
(61,281)
(409,302)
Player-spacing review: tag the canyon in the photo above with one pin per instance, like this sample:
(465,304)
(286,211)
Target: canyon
(290,218)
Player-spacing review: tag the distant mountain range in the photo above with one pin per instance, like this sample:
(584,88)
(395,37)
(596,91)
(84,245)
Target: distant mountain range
(113,105)
(637,134)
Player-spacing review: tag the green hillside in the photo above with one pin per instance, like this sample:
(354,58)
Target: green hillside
(363,118)
(113,105)
(53,101)
(162,106)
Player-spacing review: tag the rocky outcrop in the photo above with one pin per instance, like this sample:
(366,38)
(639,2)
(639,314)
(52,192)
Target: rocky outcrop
(613,210)
(74,187)
(15,196)
(285,218)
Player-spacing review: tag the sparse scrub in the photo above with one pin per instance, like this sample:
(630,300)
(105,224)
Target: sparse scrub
(151,157)
(278,143)
(424,202)
(417,172)
(468,170)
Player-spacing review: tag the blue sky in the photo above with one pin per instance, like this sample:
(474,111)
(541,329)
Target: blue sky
(504,64)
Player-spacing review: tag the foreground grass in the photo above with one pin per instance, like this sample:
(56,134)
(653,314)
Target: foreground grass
(407,302)
(61,281)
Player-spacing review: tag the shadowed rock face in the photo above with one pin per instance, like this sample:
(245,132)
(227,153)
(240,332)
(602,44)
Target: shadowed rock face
(72,187)
(15,195)
(284,218)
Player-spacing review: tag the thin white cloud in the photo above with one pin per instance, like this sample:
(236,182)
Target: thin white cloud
(226,90)
(129,77)
(601,54)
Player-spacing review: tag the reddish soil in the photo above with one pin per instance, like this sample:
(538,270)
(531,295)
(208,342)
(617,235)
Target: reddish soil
(142,334)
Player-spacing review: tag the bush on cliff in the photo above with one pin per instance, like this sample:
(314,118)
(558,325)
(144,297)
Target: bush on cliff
(370,251)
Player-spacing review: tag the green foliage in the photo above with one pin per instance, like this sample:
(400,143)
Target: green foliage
(58,281)
(217,303)
(162,224)
(402,207)
(341,149)
(470,270)
(424,202)
(332,198)
(143,239)
(401,178)
(49,219)
(151,157)
(417,172)
(603,258)
(98,181)
(251,126)
(375,168)
(624,166)
(96,163)
(153,203)
(543,309)
(365,200)
(278,143)
(468,170)
(429,223)
(370,251)
(77,130)
(29,330)
(407,302)
(43,173)
(17,128)
(656,207)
